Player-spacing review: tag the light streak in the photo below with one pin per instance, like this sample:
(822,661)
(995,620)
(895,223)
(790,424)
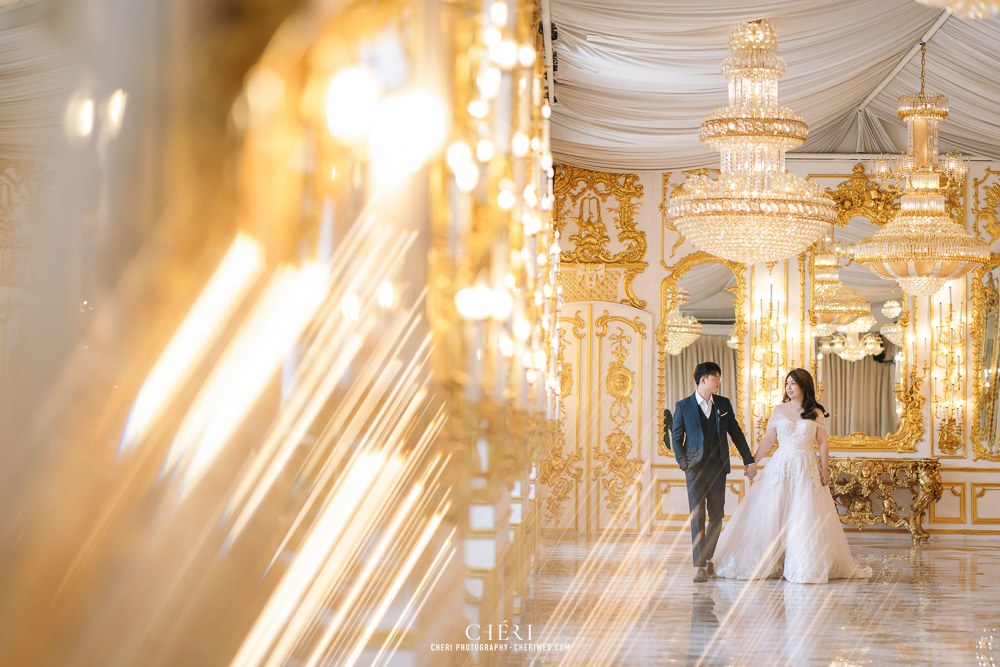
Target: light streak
(239,267)
(281,314)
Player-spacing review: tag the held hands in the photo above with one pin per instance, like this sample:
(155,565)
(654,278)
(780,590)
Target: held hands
(750,471)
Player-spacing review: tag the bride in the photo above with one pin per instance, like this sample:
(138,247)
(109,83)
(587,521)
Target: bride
(788,525)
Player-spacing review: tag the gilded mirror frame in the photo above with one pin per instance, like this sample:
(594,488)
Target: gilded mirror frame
(668,301)
(982,299)
(860,197)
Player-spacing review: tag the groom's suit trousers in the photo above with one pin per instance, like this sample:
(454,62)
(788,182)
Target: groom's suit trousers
(706,487)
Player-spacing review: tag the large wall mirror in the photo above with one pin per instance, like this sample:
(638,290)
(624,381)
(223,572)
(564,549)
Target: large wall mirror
(861,364)
(984,331)
(707,289)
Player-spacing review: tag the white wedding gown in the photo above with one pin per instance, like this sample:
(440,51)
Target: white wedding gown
(787,525)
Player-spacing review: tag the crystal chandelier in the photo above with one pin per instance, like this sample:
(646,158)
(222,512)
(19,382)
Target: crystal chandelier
(966,9)
(892,309)
(755,211)
(681,331)
(922,247)
(860,325)
(852,347)
(834,303)
(893,331)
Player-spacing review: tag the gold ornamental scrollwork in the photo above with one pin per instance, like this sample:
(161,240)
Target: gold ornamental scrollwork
(615,469)
(583,196)
(984,299)
(857,483)
(559,470)
(668,302)
(986,196)
(860,196)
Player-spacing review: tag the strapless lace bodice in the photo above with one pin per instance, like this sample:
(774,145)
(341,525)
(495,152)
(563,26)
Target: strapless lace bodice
(795,455)
(798,434)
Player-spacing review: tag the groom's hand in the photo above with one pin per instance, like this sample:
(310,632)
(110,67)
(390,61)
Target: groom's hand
(750,471)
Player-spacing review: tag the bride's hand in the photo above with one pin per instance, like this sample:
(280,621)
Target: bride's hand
(824,477)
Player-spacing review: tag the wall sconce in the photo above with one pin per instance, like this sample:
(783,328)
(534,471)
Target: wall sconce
(768,360)
(948,336)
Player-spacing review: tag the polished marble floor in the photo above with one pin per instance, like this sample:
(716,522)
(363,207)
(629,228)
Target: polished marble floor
(633,603)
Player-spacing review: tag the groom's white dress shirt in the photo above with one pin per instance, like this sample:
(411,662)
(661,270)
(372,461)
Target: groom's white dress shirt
(706,406)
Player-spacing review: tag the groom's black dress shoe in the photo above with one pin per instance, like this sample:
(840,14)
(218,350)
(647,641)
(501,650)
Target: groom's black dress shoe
(710,571)
(700,576)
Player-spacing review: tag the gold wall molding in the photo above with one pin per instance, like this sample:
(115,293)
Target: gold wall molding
(986,196)
(861,196)
(977,491)
(984,298)
(618,471)
(663,487)
(561,470)
(911,423)
(582,196)
(591,282)
(956,489)
(667,222)
(856,482)
(668,302)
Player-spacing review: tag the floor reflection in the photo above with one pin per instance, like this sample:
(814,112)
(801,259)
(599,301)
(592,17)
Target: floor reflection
(635,604)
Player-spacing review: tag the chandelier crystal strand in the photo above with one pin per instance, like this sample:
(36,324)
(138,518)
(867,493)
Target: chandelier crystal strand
(922,247)
(755,211)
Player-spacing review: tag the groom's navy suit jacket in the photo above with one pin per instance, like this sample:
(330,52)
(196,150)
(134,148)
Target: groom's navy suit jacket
(687,436)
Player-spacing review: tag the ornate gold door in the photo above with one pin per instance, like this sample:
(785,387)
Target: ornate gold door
(595,477)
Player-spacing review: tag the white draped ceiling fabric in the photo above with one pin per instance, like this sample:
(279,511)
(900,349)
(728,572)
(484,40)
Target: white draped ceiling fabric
(636,78)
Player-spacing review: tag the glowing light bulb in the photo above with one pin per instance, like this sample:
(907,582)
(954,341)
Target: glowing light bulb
(520,144)
(350,105)
(406,130)
(506,199)
(526,55)
(498,13)
(485,150)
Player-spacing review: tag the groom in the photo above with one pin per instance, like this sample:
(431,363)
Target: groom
(701,422)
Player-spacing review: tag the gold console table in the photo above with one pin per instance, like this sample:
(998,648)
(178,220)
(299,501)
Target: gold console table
(856,482)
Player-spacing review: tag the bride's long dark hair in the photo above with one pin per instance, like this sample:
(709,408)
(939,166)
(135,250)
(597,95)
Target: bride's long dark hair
(810,408)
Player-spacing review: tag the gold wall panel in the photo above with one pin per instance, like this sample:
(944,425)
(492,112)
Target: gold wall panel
(561,471)
(950,491)
(664,486)
(990,492)
(583,197)
(596,472)
(618,463)
(591,282)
